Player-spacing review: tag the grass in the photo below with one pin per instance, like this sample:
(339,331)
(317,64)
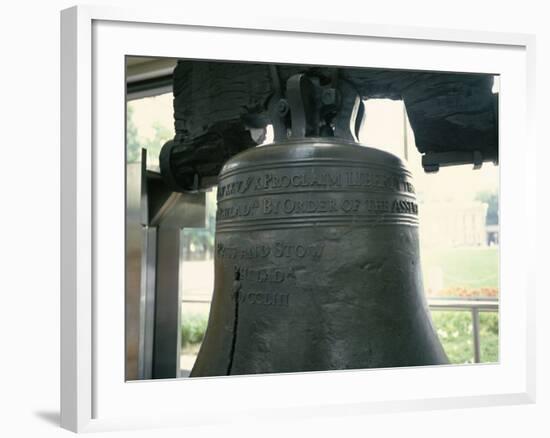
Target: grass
(470,268)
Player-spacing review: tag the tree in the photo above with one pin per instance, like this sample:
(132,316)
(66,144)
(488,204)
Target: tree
(134,143)
(133,147)
(163,133)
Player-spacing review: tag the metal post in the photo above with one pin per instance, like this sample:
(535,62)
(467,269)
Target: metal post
(154,218)
(135,236)
(475,330)
(166,350)
(147,303)
(405,134)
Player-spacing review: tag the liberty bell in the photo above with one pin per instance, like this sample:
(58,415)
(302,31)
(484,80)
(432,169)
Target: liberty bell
(317,262)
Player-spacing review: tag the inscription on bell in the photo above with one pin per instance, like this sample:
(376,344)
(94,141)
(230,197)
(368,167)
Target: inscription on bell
(286,206)
(238,209)
(289,206)
(310,179)
(277,249)
(263,298)
(265,275)
(234,187)
(402,206)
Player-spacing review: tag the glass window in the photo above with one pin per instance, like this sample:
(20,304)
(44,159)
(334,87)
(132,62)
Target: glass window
(458,209)
(149,125)
(459,230)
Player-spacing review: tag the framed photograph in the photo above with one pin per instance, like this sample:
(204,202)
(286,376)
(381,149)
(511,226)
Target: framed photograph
(278,217)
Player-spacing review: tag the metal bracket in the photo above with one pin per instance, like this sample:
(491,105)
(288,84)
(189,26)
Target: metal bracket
(432,161)
(154,220)
(306,108)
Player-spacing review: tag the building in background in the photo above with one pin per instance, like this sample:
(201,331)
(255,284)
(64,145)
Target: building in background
(453,223)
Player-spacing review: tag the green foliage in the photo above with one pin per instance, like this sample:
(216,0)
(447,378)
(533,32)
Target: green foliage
(192,329)
(455,332)
(133,145)
(488,334)
(162,135)
(491,199)
(135,142)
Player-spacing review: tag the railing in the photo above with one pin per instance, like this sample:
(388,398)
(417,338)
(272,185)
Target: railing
(474,306)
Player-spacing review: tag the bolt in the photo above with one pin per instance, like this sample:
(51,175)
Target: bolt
(328,97)
(282,107)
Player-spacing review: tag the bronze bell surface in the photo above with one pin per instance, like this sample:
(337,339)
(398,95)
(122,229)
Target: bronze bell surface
(317,263)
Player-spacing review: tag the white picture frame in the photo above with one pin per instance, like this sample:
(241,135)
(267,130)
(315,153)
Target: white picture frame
(94,395)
